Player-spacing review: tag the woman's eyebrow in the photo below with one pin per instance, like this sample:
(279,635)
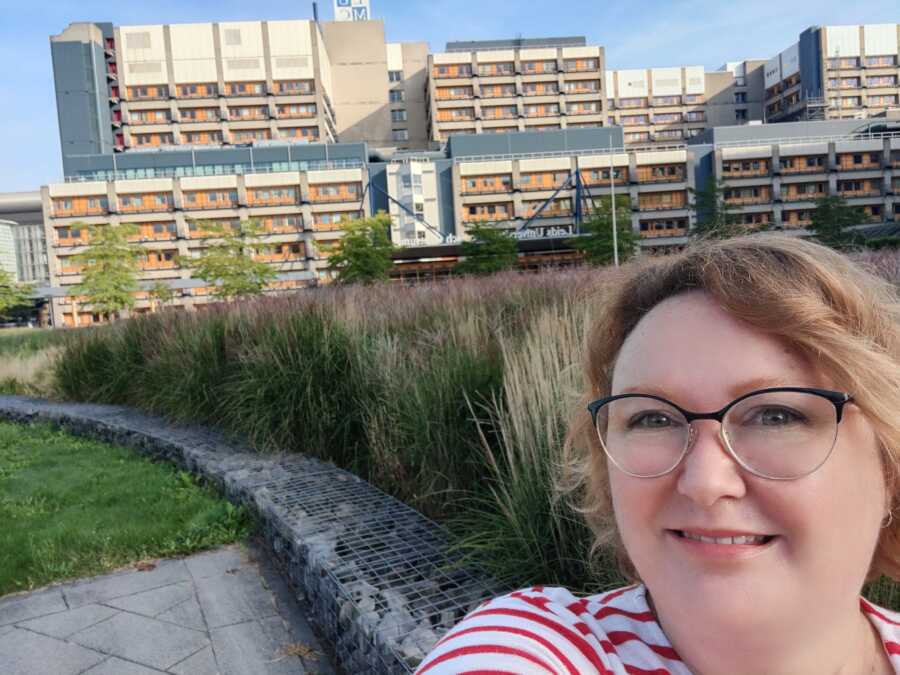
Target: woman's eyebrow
(734,391)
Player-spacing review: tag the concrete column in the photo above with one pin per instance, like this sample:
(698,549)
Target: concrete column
(459,228)
(170,68)
(178,197)
(242,196)
(112,198)
(518,207)
(217,45)
(777,215)
(267,57)
(832,156)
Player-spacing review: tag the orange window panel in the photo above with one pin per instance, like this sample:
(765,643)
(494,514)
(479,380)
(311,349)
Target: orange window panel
(859,160)
(543,180)
(272,196)
(486,184)
(660,173)
(294,87)
(210,199)
(79,206)
(662,200)
(199,115)
(197,90)
(601,176)
(147,92)
(325,222)
(245,88)
(335,192)
(452,70)
(282,224)
(487,212)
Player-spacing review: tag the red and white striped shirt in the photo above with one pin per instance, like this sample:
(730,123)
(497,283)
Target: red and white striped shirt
(549,631)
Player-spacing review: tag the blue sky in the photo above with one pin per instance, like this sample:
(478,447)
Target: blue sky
(635,34)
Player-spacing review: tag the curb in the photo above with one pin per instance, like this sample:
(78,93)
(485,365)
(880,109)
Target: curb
(379,577)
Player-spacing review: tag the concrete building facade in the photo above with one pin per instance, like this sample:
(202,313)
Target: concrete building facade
(501,86)
(299,196)
(668,105)
(835,72)
(22,215)
(235,83)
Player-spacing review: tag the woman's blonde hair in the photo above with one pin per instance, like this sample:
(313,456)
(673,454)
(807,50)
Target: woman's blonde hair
(843,318)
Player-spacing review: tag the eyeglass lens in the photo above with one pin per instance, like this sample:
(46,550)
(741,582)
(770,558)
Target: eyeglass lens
(774,434)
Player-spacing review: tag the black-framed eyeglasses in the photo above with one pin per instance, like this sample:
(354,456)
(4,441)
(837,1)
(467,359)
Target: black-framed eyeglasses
(780,433)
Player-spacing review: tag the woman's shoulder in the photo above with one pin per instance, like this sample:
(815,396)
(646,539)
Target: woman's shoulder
(887,623)
(551,630)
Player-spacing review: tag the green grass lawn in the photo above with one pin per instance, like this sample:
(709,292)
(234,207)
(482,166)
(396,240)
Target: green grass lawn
(71,507)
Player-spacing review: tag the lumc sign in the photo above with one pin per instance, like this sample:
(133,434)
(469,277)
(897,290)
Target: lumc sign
(352,10)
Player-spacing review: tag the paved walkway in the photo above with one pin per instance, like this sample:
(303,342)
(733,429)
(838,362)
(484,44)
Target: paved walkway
(226,611)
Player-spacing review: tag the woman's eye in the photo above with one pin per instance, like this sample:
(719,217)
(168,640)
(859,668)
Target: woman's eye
(773,417)
(650,420)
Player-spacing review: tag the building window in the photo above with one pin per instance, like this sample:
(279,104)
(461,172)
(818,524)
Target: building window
(398,115)
(395,76)
(740,115)
(400,134)
(395,95)
(740,97)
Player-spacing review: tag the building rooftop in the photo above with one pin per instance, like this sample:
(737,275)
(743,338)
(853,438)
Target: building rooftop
(517,43)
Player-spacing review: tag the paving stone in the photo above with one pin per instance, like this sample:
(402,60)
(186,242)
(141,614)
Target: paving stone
(102,589)
(146,641)
(217,563)
(255,648)
(115,666)
(25,653)
(64,624)
(201,663)
(155,601)
(233,598)
(186,614)
(23,607)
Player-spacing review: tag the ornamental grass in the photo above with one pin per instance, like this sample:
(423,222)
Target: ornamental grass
(453,396)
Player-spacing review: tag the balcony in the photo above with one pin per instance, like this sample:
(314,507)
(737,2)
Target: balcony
(330,194)
(463,96)
(869,161)
(549,212)
(79,210)
(664,204)
(482,186)
(660,174)
(762,171)
(502,115)
(802,167)
(487,213)
(748,201)
(870,192)
(147,205)
(802,196)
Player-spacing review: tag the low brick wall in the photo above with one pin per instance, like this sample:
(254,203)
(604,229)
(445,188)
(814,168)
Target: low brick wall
(378,575)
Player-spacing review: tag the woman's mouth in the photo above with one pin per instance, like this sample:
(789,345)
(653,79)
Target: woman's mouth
(740,540)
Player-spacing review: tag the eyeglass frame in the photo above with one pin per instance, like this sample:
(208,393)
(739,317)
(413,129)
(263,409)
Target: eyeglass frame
(838,398)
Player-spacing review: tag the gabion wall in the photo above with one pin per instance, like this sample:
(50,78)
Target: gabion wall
(378,575)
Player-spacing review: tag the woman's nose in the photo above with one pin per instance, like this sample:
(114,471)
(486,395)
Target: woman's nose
(709,472)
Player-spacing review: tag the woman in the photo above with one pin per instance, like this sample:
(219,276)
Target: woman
(739,445)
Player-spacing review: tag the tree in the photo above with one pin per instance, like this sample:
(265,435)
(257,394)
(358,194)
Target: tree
(227,262)
(716,218)
(830,220)
(13,295)
(364,252)
(109,269)
(162,293)
(596,241)
(488,250)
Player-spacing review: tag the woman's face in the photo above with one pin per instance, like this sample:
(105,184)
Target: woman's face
(824,526)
